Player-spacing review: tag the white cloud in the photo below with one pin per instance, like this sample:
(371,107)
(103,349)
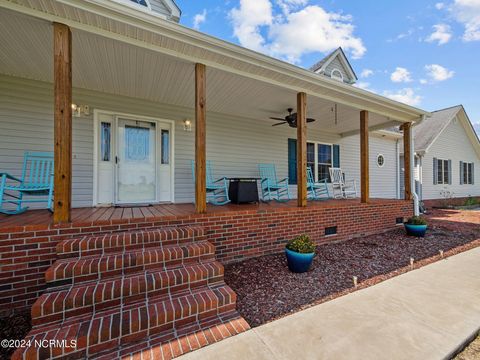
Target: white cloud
(247,20)
(199,19)
(406,96)
(467,12)
(289,35)
(442,34)
(439,5)
(366,73)
(401,75)
(288,6)
(438,73)
(423,81)
(362,85)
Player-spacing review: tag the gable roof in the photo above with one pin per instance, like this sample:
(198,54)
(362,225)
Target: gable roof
(322,65)
(427,131)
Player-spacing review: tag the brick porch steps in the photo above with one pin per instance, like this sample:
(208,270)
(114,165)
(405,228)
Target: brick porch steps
(97,267)
(96,296)
(125,241)
(133,292)
(171,344)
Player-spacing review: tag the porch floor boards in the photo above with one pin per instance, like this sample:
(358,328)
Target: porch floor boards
(159,211)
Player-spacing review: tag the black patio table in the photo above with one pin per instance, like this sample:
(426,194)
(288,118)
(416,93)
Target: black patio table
(243,190)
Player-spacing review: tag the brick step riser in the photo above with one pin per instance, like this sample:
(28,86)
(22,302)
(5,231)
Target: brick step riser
(89,301)
(94,245)
(171,344)
(118,329)
(82,270)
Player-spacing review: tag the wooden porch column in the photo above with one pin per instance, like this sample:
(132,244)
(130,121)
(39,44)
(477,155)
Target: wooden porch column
(407,158)
(364,158)
(302,149)
(62,77)
(200,139)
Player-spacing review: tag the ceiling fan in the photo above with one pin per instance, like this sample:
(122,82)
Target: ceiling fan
(290,119)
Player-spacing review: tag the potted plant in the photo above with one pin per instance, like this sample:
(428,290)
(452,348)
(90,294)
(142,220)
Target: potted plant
(300,252)
(416,226)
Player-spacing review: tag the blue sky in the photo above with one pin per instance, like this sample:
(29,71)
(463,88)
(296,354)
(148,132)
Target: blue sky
(425,53)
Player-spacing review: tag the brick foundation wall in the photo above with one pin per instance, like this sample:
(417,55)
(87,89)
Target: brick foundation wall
(26,252)
(450,202)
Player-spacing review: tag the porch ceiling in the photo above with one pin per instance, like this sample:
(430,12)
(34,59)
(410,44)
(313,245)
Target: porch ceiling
(116,67)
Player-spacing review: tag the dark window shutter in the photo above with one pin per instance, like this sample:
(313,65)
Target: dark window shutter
(292,161)
(435,171)
(336,156)
(461,172)
(473,173)
(449,172)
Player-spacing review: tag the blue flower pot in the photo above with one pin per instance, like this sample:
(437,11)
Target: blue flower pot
(415,230)
(297,262)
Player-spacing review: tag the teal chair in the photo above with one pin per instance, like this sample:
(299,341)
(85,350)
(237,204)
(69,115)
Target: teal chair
(217,190)
(36,180)
(272,188)
(316,190)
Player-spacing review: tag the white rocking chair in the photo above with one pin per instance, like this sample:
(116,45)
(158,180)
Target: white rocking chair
(342,189)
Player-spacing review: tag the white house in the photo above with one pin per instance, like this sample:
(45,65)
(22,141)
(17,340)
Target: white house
(447,161)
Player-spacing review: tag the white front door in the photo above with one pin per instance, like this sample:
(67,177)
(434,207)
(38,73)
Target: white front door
(136,161)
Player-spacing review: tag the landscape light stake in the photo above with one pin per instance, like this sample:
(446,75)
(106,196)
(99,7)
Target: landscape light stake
(355,281)
(441,253)
(412,260)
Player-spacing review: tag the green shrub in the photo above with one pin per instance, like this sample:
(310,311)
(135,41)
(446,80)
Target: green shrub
(301,244)
(416,220)
(471,201)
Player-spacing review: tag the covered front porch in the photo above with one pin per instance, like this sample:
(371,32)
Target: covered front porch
(227,98)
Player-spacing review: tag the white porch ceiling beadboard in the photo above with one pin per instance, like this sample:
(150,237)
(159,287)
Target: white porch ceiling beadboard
(115,67)
(146,30)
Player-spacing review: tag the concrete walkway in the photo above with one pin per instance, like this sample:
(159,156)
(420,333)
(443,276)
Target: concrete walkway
(423,314)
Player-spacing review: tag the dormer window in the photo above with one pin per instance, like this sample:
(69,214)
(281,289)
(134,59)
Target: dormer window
(140,2)
(337,75)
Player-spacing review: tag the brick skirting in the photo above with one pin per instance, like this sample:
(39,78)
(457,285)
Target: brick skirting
(26,252)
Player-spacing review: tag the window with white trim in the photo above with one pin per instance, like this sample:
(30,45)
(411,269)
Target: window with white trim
(320,160)
(467,173)
(443,171)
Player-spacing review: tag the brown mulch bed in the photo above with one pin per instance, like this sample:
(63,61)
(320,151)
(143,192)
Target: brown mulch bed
(267,290)
(13,327)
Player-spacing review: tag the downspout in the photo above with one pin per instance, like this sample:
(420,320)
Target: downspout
(416,202)
(397,169)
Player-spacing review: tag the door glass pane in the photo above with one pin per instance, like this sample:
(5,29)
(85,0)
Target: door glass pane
(136,166)
(165,147)
(105,141)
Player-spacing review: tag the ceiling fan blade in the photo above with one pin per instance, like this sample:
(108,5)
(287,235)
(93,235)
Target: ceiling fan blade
(275,118)
(282,123)
(310,120)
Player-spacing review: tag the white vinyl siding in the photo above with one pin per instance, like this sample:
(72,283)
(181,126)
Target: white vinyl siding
(337,65)
(453,144)
(159,7)
(234,145)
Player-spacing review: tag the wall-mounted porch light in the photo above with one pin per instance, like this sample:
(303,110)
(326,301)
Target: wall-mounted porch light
(187,125)
(79,110)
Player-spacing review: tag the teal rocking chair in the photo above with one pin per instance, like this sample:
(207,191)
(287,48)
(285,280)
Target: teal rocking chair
(271,187)
(36,180)
(316,190)
(217,190)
